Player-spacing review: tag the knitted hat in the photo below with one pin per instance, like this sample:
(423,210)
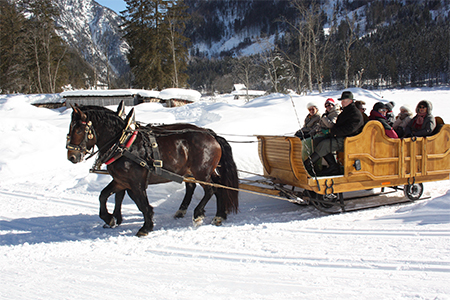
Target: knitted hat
(331,101)
(311,104)
(379,105)
(390,105)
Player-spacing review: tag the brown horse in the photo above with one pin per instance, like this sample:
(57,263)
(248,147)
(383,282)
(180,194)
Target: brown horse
(184,150)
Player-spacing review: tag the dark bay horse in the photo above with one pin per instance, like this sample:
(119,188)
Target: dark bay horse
(185,150)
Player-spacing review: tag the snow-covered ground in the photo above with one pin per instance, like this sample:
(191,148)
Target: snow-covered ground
(53,244)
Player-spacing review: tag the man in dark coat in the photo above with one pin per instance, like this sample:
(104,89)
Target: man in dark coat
(348,123)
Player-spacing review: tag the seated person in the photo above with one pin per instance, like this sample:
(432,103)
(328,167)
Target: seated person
(423,122)
(402,120)
(310,121)
(359,105)
(327,121)
(379,113)
(390,117)
(348,123)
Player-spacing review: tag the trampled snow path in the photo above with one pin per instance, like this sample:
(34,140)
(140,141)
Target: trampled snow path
(53,244)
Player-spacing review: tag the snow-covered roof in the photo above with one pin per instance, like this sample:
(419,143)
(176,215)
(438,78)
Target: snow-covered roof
(167,94)
(182,94)
(106,93)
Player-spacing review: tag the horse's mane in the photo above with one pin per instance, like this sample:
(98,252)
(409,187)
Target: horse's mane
(104,115)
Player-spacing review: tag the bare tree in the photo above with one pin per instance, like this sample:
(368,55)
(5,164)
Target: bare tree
(350,38)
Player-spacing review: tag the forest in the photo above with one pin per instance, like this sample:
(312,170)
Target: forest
(369,44)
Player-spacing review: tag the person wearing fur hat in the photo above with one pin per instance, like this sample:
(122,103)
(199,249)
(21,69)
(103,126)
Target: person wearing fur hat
(423,122)
(310,121)
(378,113)
(390,116)
(402,120)
(348,123)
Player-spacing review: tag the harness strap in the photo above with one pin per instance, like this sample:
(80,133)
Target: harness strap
(157,162)
(161,172)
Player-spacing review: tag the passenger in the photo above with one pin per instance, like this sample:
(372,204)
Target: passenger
(390,116)
(327,121)
(423,122)
(378,113)
(359,104)
(311,119)
(348,123)
(402,120)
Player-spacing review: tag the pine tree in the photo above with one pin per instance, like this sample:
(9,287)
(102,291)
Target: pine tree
(153,29)
(12,58)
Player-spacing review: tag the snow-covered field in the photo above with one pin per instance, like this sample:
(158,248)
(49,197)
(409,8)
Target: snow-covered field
(53,244)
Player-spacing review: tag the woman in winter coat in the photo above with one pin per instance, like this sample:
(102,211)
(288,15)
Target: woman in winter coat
(327,121)
(423,122)
(379,113)
(310,121)
(402,120)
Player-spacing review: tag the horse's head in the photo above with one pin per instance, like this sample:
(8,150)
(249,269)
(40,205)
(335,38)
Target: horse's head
(81,138)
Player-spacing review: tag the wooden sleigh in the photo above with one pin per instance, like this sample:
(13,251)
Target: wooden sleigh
(370,160)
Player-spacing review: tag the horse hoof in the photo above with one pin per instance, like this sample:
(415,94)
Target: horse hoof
(112,223)
(217,221)
(142,233)
(198,221)
(180,213)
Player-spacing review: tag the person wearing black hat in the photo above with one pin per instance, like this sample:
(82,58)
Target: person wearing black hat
(348,123)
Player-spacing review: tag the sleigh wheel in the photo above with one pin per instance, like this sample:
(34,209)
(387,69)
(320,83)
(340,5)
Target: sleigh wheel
(413,191)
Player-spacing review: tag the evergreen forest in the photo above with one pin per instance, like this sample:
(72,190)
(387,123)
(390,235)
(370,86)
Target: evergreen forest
(369,44)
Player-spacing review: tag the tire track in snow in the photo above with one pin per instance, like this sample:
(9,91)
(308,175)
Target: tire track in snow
(308,261)
(58,199)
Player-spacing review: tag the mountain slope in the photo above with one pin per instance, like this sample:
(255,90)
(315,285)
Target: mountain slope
(94,31)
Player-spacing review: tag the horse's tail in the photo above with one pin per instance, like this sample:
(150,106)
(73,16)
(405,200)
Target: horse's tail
(228,176)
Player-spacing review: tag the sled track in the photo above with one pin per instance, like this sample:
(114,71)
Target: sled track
(338,262)
(57,199)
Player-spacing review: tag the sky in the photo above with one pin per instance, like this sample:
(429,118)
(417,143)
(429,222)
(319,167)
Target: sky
(116,5)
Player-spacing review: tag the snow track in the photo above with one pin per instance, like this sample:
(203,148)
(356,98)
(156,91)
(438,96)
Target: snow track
(53,244)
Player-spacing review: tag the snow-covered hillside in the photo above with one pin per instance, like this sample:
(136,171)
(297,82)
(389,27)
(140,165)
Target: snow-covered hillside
(94,31)
(53,244)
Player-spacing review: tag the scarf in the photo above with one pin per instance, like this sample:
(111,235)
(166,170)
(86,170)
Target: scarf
(419,120)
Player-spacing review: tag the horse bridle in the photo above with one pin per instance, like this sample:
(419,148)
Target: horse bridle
(89,134)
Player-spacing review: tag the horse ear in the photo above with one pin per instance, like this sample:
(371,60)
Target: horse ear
(78,111)
(121,110)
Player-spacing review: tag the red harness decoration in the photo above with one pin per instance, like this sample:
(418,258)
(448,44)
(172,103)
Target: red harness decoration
(128,144)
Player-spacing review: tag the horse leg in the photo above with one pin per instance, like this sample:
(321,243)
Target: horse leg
(221,213)
(110,220)
(139,196)
(199,211)
(118,207)
(181,212)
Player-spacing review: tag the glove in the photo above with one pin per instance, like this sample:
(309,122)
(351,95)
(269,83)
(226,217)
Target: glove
(325,131)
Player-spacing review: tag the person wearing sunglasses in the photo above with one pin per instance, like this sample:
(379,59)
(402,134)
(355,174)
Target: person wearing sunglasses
(378,113)
(360,105)
(311,120)
(423,122)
